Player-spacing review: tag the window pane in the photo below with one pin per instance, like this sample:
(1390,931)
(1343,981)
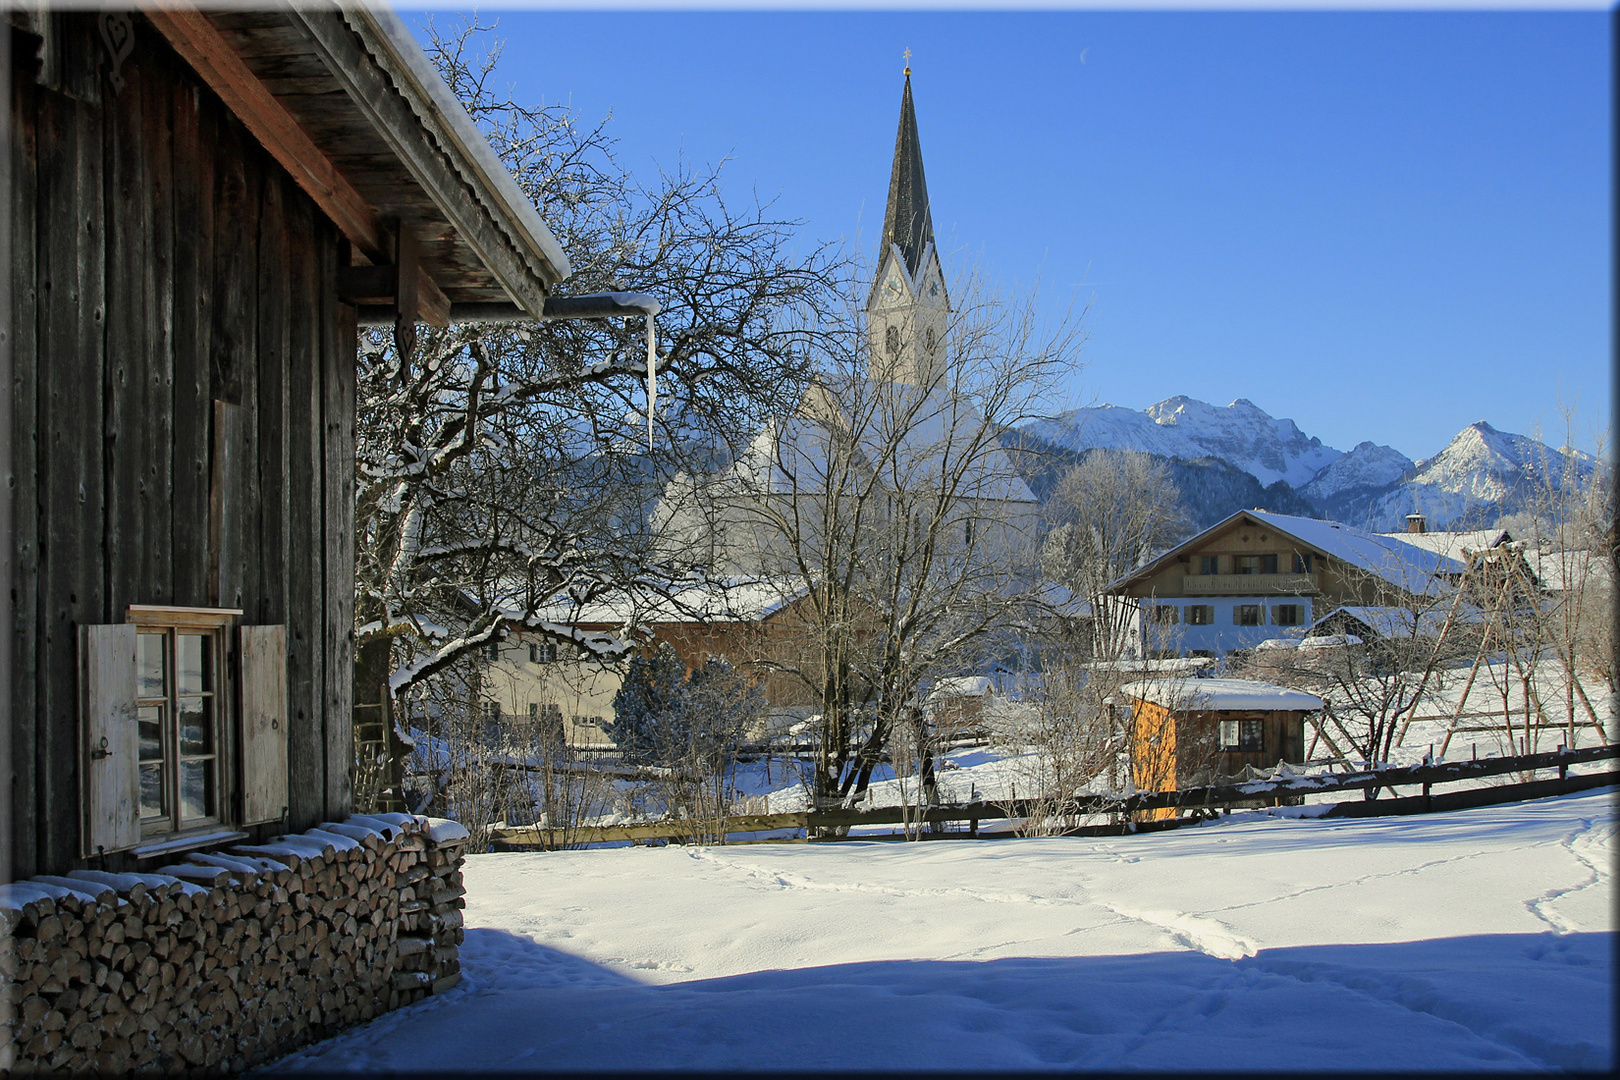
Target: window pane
(149,723)
(149,649)
(151,791)
(196,789)
(196,729)
(194,675)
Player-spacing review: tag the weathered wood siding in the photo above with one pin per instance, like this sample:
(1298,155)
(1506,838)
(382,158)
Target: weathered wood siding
(162,261)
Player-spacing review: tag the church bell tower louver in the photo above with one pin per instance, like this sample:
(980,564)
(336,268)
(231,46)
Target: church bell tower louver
(908,309)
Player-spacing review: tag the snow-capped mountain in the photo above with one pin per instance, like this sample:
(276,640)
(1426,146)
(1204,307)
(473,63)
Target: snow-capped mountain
(1242,434)
(1367,467)
(1480,475)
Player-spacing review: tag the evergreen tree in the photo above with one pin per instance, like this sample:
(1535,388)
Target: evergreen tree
(649,711)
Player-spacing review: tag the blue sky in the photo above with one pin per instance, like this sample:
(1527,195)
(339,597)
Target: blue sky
(1384,226)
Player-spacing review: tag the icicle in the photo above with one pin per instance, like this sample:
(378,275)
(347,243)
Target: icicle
(652,378)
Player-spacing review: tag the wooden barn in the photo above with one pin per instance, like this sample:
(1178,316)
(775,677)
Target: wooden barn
(1196,732)
(201,207)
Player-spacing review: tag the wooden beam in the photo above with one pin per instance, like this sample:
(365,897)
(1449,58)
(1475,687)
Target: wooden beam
(194,37)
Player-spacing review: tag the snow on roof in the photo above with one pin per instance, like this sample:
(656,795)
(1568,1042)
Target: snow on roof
(1406,566)
(1454,545)
(722,601)
(914,440)
(964,686)
(1402,622)
(1566,571)
(1220,695)
(1277,643)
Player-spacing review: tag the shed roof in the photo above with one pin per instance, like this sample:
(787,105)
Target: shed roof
(1220,695)
(347,101)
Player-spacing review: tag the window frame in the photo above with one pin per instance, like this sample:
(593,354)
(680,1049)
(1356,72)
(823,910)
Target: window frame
(1239,610)
(1205,610)
(1250,736)
(1298,611)
(1209,564)
(214,625)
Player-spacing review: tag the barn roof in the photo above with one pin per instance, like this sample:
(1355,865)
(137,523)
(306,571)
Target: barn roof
(348,103)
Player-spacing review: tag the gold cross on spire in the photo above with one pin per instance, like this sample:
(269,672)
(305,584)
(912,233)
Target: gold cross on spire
(907,55)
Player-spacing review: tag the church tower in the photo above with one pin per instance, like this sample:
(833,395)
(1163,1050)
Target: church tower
(907,310)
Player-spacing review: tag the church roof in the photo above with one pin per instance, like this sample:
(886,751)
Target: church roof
(906,223)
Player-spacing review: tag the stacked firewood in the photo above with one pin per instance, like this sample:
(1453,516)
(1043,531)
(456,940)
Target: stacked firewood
(231,958)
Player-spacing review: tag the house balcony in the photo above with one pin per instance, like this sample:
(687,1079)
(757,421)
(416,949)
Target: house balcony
(1249,585)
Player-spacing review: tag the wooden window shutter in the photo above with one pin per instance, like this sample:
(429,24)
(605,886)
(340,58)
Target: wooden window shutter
(107,711)
(264,723)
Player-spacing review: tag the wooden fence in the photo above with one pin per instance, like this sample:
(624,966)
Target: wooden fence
(1251,793)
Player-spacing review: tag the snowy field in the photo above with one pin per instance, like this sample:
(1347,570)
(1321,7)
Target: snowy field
(1474,940)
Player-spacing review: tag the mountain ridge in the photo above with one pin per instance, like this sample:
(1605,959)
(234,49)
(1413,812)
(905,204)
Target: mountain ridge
(1480,475)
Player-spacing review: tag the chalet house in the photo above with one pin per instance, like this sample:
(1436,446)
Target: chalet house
(202,206)
(1259,575)
(1187,733)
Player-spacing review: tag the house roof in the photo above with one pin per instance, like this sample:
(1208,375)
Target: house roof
(731,601)
(1220,695)
(347,101)
(1406,566)
(1401,622)
(1455,545)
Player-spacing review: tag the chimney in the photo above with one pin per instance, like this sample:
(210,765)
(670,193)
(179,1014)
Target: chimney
(1416,523)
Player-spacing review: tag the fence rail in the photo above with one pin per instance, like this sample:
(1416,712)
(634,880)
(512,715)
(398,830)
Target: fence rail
(1202,798)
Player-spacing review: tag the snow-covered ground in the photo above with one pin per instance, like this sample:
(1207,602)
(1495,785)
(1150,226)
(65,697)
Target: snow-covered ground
(1474,940)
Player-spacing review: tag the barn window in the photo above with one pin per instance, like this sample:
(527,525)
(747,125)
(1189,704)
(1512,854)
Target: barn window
(171,717)
(1243,736)
(177,675)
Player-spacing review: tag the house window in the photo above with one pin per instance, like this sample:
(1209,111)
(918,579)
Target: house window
(1257,564)
(542,652)
(1200,614)
(1302,563)
(178,722)
(493,650)
(1247,615)
(1243,736)
(1209,564)
(1287,614)
(1164,613)
(967,526)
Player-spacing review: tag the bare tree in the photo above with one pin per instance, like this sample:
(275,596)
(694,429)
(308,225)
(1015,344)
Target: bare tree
(1108,515)
(502,467)
(891,512)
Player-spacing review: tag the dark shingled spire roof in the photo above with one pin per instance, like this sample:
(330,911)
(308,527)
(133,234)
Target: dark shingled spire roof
(906,222)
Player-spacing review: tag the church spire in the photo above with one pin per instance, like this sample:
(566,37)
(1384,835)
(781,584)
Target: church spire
(906,222)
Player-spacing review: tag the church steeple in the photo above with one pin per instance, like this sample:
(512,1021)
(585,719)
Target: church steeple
(906,222)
